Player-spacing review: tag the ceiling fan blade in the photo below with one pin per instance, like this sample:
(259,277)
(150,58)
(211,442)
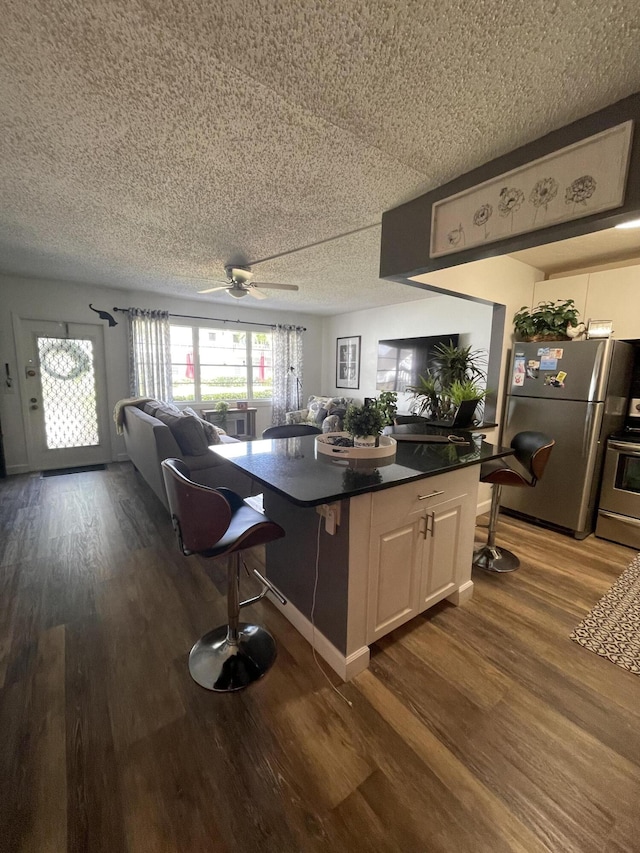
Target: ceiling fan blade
(213,289)
(275,286)
(253,291)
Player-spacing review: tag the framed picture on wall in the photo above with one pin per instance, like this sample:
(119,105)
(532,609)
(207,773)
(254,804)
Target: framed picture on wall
(348,362)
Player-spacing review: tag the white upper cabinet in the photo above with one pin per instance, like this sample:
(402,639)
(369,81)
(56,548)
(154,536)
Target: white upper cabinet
(615,295)
(572,287)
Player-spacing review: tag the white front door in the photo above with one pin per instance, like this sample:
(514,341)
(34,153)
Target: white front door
(64,387)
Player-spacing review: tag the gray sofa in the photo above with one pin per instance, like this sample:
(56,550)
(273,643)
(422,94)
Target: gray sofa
(149,441)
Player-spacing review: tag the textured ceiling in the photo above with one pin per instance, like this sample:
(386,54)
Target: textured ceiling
(144,145)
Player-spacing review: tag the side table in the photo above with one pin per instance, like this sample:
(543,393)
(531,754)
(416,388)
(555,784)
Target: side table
(239,423)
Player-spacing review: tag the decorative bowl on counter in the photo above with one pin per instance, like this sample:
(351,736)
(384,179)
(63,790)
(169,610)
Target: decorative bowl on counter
(339,445)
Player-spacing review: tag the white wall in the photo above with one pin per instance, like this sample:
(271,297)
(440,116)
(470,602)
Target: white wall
(66,302)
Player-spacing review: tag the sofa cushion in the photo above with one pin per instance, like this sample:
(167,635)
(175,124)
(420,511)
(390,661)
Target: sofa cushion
(210,431)
(153,406)
(337,403)
(187,431)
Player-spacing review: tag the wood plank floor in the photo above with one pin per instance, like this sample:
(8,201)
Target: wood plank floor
(478,728)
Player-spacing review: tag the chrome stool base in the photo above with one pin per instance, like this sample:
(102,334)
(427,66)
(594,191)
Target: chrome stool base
(492,559)
(223,666)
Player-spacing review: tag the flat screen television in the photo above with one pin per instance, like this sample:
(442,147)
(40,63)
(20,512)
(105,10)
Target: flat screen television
(402,361)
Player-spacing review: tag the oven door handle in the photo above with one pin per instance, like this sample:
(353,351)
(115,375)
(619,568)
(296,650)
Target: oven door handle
(632,522)
(627,449)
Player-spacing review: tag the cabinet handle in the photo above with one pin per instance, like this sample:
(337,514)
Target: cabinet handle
(432,495)
(427,529)
(424,530)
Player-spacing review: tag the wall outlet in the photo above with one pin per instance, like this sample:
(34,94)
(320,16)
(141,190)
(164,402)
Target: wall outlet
(330,512)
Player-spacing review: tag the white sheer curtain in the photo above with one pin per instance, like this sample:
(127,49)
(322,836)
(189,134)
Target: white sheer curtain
(149,354)
(287,383)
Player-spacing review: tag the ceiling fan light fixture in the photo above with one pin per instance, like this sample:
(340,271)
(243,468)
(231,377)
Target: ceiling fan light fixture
(237,292)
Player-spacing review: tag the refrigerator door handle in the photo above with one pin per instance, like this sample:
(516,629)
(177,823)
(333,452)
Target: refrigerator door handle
(590,451)
(596,375)
(588,432)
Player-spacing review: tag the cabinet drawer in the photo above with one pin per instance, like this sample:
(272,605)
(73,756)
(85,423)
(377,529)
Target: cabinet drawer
(417,496)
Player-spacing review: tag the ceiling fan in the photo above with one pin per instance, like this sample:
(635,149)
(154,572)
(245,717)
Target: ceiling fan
(240,283)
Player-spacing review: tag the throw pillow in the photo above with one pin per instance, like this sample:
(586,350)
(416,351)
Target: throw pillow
(190,435)
(321,415)
(210,431)
(187,431)
(337,403)
(315,406)
(151,407)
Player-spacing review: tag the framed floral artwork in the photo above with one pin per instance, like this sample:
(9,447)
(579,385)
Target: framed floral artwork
(586,177)
(348,362)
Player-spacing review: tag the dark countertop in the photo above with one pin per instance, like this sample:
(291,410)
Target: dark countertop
(294,469)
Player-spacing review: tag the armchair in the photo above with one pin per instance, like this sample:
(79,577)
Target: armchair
(327,413)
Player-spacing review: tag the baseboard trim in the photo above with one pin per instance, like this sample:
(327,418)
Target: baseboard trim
(18,469)
(463,594)
(483,507)
(347,667)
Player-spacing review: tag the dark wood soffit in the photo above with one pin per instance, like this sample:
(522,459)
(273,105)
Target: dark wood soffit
(406,229)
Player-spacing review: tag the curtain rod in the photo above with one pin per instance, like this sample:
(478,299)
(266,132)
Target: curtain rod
(217,319)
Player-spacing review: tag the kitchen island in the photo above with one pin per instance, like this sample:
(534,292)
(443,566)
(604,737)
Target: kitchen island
(369,543)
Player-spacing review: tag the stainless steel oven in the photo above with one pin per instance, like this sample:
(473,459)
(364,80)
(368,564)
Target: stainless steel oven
(619,507)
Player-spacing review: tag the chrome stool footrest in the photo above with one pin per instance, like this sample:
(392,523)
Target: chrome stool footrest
(220,662)
(492,559)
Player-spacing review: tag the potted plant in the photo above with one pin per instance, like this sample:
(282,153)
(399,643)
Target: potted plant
(548,321)
(456,376)
(387,404)
(464,396)
(221,413)
(364,423)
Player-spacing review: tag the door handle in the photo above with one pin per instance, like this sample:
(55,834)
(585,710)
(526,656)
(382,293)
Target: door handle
(627,449)
(625,519)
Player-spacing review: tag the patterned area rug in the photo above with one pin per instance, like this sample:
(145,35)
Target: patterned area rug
(612,628)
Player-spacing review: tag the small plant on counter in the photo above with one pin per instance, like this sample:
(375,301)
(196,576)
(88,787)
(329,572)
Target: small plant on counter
(363,420)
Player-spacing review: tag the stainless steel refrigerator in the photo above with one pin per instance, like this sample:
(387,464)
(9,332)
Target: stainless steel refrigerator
(576,392)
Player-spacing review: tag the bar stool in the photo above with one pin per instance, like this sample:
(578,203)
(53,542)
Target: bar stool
(290,430)
(532,451)
(217,523)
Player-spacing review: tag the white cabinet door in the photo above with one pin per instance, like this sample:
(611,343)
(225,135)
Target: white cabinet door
(573,287)
(441,551)
(613,295)
(394,575)
(420,547)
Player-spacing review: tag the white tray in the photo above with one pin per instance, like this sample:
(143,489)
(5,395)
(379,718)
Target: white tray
(387,447)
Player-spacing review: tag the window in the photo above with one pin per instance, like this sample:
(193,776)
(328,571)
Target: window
(220,364)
